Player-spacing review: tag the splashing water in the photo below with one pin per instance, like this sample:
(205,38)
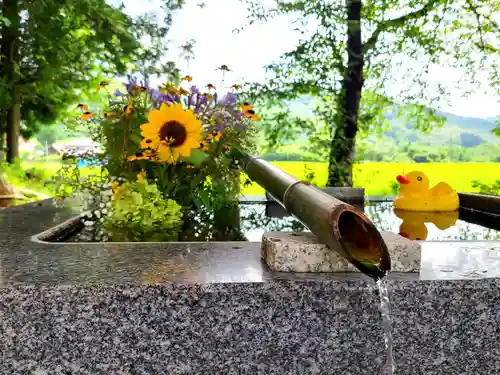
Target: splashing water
(385,311)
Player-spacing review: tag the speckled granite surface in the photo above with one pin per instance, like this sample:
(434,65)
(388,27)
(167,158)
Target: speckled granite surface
(95,309)
(303,252)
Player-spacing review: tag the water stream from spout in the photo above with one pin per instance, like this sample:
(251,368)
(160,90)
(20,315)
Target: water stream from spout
(385,311)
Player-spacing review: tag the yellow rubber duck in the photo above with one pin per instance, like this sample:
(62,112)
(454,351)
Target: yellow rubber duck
(413,226)
(415,195)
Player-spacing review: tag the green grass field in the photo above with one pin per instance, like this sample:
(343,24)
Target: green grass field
(376,178)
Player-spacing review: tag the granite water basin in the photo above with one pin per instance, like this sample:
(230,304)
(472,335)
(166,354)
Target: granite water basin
(214,308)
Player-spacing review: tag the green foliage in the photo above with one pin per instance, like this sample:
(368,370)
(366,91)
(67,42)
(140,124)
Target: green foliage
(491,189)
(50,134)
(69,46)
(139,212)
(33,178)
(419,31)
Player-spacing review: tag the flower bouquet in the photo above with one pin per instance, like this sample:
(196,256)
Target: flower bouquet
(166,167)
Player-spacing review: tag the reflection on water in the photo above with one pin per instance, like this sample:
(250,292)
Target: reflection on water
(6,203)
(430,226)
(250,221)
(414,225)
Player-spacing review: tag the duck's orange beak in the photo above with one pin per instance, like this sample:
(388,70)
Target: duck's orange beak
(403,179)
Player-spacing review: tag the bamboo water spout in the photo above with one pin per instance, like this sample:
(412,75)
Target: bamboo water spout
(337,224)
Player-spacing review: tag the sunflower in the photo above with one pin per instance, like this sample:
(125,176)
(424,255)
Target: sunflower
(176,131)
(187,78)
(210,87)
(87,115)
(236,86)
(182,91)
(246,107)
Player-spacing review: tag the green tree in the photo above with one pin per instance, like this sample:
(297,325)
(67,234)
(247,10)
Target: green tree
(50,134)
(52,51)
(350,75)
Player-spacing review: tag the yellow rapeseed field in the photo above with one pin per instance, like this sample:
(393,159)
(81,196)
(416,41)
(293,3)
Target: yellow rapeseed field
(376,178)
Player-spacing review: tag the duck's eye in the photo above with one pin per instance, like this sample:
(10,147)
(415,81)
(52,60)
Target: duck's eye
(419,178)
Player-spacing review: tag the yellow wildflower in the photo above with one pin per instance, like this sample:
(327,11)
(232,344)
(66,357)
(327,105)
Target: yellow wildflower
(87,115)
(224,68)
(82,107)
(141,176)
(102,85)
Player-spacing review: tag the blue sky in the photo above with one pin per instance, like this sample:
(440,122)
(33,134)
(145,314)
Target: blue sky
(247,52)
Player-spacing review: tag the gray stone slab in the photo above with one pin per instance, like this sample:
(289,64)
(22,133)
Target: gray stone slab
(303,252)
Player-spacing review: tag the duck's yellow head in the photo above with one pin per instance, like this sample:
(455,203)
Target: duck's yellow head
(414,182)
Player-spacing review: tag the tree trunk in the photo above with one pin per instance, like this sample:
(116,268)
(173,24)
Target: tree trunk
(10,69)
(346,120)
(2,135)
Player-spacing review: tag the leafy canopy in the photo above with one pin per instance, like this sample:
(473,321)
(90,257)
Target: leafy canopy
(68,46)
(401,42)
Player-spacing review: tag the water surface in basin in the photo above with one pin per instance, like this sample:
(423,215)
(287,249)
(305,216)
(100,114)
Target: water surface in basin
(253,219)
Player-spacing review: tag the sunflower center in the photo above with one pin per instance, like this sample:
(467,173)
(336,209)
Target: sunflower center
(173,132)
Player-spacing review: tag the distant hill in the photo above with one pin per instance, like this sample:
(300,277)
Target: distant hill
(457,130)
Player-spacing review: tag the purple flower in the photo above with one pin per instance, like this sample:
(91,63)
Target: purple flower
(215,97)
(156,95)
(189,101)
(238,115)
(118,93)
(131,85)
(194,90)
(114,103)
(228,99)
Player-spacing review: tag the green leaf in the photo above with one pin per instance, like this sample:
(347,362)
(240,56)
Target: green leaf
(197,157)
(136,138)
(5,21)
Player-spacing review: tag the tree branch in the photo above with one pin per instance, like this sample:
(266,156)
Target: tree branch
(398,22)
